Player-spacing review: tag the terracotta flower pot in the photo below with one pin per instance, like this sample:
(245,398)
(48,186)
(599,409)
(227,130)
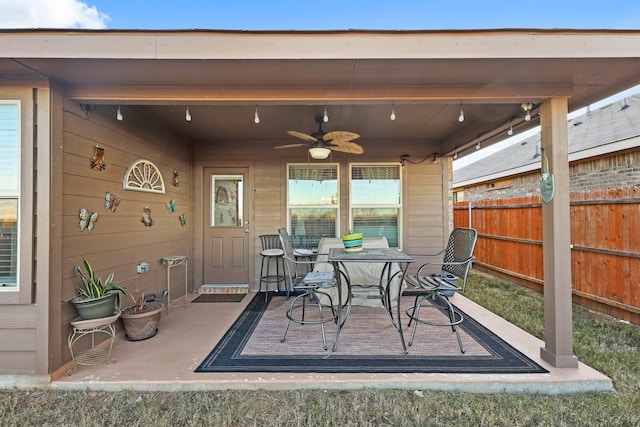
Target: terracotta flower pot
(143,324)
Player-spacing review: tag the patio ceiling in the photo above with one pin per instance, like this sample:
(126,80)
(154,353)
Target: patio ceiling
(359,76)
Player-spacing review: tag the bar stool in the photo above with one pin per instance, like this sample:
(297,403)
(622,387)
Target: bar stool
(272,251)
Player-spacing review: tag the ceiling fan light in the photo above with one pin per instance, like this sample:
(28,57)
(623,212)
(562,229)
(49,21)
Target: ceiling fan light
(319,152)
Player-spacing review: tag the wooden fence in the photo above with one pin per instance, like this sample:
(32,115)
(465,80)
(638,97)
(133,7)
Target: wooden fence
(605,238)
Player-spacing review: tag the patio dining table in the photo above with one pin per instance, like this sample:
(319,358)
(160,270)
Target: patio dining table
(388,258)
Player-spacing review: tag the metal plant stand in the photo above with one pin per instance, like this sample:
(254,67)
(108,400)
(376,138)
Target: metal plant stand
(174,261)
(93,355)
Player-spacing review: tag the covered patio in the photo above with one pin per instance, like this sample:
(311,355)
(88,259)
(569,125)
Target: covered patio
(167,362)
(201,103)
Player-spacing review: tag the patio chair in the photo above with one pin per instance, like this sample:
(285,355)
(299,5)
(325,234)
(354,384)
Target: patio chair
(307,289)
(436,288)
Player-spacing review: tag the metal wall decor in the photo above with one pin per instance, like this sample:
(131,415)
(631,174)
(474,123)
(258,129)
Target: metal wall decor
(97,161)
(87,219)
(111,202)
(146,217)
(547,185)
(176,182)
(171,206)
(143,175)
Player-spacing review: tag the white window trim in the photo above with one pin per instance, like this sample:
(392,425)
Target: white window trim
(399,206)
(16,194)
(337,205)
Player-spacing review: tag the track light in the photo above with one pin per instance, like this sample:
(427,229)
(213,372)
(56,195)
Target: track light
(527,109)
(393,113)
(187,115)
(119,115)
(510,131)
(325,117)
(455,155)
(256,117)
(478,145)
(461,116)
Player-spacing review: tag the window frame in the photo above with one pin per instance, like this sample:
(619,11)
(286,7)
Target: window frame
(34,151)
(399,206)
(15,194)
(337,205)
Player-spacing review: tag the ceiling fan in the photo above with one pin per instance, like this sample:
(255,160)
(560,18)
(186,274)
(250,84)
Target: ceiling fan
(321,143)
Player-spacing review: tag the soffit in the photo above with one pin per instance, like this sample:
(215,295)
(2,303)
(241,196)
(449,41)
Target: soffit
(291,77)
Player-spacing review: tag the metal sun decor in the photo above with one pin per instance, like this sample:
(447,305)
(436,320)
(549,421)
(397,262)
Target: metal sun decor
(143,175)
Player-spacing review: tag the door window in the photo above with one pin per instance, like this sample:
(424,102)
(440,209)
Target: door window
(227,209)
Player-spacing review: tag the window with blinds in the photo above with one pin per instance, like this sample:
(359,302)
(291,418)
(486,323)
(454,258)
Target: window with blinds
(9,192)
(313,202)
(376,201)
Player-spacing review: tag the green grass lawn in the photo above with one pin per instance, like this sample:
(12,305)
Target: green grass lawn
(606,344)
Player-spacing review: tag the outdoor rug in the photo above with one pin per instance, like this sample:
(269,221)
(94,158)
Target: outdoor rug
(368,343)
(219,298)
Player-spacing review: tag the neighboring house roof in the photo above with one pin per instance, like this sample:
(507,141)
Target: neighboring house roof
(611,128)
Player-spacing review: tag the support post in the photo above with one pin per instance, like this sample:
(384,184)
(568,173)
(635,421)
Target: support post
(558,319)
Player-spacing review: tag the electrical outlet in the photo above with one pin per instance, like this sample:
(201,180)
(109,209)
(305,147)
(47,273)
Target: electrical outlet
(143,267)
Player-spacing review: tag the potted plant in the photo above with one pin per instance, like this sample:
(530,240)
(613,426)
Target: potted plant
(141,319)
(96,298)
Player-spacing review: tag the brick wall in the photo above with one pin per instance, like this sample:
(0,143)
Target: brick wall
(615,171)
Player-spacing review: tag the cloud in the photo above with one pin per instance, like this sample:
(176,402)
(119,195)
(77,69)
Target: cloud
(50,14)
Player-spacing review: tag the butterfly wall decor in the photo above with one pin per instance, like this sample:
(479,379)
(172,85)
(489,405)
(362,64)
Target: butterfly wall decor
(87,219)
(171,206)
(111,202)
(183,219)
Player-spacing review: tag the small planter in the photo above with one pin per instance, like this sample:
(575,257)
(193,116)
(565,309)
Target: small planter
(352,242)
(141,324)
(95,308)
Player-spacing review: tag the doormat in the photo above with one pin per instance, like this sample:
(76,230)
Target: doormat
(368,343)
(219,298)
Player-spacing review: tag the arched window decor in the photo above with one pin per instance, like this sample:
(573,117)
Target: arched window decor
(143,175)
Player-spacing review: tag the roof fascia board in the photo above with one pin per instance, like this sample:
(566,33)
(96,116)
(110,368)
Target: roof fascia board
(533,44)
(288,95)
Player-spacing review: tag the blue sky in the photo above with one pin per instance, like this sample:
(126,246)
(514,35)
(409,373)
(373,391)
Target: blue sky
(369,14)
(319,14)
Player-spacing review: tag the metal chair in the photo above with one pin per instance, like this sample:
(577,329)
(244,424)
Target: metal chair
(308,288)
(272,253)
(438,287)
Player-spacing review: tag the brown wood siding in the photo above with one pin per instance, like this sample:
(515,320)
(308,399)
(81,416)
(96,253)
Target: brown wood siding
(119,240)
(605,239)
(424,229)
(18,339)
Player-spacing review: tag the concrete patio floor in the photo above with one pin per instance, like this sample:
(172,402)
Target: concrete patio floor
(167,362)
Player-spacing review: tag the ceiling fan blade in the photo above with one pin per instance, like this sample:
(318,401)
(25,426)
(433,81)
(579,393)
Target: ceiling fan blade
(290,146)
(346,147)
(340,135)
(303,136)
